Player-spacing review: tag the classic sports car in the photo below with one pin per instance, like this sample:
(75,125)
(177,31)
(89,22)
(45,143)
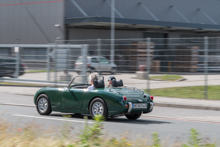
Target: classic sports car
(109,102)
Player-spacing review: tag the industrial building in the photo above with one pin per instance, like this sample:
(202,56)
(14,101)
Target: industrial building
(44,21)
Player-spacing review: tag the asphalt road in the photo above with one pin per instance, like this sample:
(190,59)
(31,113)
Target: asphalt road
(171,123)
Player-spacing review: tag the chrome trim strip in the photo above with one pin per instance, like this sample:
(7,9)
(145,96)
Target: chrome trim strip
(79,76)
(152,104)
(130,107)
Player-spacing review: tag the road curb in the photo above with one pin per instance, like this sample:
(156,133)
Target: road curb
(23,86)
(23,105)
(187,106)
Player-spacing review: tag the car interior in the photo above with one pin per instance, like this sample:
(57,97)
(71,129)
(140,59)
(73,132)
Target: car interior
(99,84)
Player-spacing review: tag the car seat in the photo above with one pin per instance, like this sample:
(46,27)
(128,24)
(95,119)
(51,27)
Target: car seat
(99,83)
(117,83)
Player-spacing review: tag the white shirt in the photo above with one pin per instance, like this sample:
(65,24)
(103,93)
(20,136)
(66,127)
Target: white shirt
(91,87)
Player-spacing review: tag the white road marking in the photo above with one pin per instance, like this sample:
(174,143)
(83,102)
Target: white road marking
(67,119)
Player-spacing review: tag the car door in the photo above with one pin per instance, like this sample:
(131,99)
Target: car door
(5,67)
(95,63)
(105,64)
(73,98)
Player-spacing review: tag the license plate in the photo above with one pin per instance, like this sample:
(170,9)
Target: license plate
(140,105)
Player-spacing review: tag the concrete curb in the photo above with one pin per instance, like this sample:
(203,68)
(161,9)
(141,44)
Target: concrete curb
(23,105)
(187,106)
(23,86)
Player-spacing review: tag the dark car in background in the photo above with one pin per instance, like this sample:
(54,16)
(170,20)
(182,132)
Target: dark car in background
(8,67)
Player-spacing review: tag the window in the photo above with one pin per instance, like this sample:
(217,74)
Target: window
(104,60)
(94,60)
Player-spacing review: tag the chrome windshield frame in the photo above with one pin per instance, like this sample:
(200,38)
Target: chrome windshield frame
(74,79)
(79,76)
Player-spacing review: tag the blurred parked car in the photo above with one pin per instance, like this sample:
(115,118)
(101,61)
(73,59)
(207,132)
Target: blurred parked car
(8,67)
(95,64)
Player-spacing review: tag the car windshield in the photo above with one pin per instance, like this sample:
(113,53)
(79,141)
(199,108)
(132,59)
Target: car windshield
(104,60)
(80,60)
(83,80)
(80,80)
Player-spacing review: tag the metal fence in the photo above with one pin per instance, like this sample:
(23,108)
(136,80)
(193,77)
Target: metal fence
(40,63)
(185,62)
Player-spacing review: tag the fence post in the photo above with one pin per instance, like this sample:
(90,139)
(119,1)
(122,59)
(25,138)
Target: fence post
(99,51)
(148,40)
(84,55)
(48,64)
(55,70)
(17,71)
(206,43)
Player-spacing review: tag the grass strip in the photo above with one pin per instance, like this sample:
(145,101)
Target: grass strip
(195,92)
(166,77)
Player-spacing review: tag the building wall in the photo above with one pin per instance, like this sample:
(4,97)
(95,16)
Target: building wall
(160,8)
(102,33)
(30,22)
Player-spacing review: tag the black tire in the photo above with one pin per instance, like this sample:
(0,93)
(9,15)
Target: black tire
(113,70)
(104,107)
(91,70)
(41,98)
(133,116)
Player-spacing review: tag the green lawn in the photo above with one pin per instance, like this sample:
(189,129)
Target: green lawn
(166,77)
(196,92)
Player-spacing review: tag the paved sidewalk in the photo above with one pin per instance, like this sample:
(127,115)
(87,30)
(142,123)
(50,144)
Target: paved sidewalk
(130,79)
(159,101)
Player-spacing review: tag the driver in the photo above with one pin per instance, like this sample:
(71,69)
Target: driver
(92,77)
(110,79)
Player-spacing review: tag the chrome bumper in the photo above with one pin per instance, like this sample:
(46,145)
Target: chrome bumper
(151,106)
(129,107)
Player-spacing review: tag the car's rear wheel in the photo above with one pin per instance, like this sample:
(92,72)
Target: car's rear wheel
(133,116)
(91,70)
(113,70)
(98,107)
(43,105)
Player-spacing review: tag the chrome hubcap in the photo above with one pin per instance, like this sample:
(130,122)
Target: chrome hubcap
(97,109)
(42,105)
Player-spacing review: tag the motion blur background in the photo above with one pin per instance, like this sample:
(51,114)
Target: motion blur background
(152,38)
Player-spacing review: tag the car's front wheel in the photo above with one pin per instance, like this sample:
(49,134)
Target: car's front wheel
(133,116)
(43,105)
(113,70)
(98,107)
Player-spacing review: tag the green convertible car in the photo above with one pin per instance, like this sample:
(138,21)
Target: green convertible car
(109,102)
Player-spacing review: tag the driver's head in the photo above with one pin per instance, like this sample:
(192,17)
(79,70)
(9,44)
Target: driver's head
(110,79)
(93,77)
